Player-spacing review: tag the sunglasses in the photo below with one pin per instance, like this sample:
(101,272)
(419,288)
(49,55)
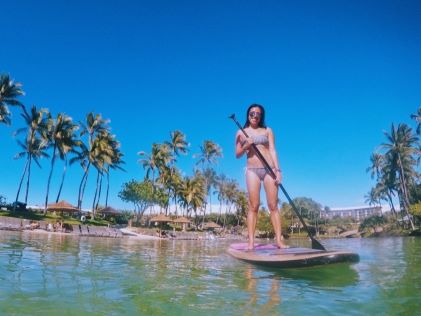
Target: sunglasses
(254,114)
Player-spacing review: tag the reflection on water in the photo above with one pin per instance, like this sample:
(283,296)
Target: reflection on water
(270,297)
(321,276)
(48,274)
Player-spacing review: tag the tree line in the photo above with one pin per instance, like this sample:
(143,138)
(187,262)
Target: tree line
(89,144)
(394,168)
(164,184)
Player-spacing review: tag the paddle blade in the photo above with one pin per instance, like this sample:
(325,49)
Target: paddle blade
(316,244)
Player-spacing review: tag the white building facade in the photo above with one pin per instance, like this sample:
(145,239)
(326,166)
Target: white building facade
(356,212)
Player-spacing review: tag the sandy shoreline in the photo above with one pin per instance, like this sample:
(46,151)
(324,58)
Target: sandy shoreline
(130,234)
(137,233)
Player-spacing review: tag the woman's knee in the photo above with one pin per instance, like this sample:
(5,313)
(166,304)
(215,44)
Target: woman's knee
(273,207)
(254,207)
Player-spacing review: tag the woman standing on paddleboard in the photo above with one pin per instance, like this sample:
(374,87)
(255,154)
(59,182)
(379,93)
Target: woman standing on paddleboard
(262,136)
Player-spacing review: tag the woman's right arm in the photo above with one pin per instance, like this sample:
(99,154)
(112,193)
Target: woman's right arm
(241,145)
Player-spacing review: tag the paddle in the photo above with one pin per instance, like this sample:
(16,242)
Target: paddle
(314,243)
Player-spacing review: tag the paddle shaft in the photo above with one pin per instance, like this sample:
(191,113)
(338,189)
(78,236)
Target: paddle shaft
(314,243)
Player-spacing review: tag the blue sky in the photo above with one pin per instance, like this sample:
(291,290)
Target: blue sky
(332,75)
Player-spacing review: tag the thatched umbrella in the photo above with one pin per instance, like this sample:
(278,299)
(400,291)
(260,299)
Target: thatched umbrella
(109,211)
(62,206)
(161,218)
(210,225)
(182,220)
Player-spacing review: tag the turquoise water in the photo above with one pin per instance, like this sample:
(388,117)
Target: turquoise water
(68,275)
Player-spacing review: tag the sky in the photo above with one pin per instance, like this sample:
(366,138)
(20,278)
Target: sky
(332,75)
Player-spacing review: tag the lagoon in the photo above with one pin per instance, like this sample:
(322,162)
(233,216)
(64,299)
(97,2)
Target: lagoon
(69,275)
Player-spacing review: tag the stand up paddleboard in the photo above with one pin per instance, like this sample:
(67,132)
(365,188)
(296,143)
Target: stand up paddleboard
(270,255)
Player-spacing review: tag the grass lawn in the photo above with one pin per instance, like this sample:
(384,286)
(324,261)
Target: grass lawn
(51,217)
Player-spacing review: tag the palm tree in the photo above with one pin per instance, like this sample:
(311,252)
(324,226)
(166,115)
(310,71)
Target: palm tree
(102,153)
(61,136)
(95,125)
(193,192)
(231,190)
(9,92)
(82,156)
(163,183)
(174,185)
(400,152)
(209,152)
(108,156)
(417,118)
(210,181)
(5,115)
(34,146)
(178,145)
(377,163)
(241,204)
(72,144)
(221,184)
(373,197)
(159,157)
(116,161)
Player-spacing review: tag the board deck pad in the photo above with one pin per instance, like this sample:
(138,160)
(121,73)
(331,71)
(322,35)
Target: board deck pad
(271,255)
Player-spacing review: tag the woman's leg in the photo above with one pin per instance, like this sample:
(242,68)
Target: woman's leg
(271,189)
(253,188)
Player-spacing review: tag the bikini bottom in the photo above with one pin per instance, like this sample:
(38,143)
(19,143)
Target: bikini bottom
(259,172)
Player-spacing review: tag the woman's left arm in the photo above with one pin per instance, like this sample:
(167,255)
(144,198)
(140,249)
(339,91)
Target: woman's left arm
(274,155)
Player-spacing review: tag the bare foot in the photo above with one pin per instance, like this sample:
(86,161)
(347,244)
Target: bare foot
(281,245)
(250,246)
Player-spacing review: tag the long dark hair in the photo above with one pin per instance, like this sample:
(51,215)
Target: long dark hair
(262,117)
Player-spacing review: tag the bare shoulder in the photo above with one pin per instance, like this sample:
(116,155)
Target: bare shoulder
(270,134)
(239,135)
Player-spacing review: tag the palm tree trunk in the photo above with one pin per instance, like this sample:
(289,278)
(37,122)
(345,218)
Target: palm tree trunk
(392,206)
(403,183)
(204,213)
(95,195)
(21,179)
(62,179)
(169,199)
(99,191)
(226,214)
(218,220)
(82,186)
(28,179)
(108,187)
(80,190)
(405,192)
(153,190)
(53,160)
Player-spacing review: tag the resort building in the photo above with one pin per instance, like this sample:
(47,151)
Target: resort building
(356,212)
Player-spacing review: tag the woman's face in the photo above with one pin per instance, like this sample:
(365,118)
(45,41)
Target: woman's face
(255,115)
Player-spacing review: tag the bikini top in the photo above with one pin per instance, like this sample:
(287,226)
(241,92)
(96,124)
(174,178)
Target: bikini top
(260,139)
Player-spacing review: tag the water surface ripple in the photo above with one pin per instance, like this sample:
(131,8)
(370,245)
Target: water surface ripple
(67,275)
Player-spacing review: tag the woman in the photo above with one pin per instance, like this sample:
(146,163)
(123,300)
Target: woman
(263,138)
